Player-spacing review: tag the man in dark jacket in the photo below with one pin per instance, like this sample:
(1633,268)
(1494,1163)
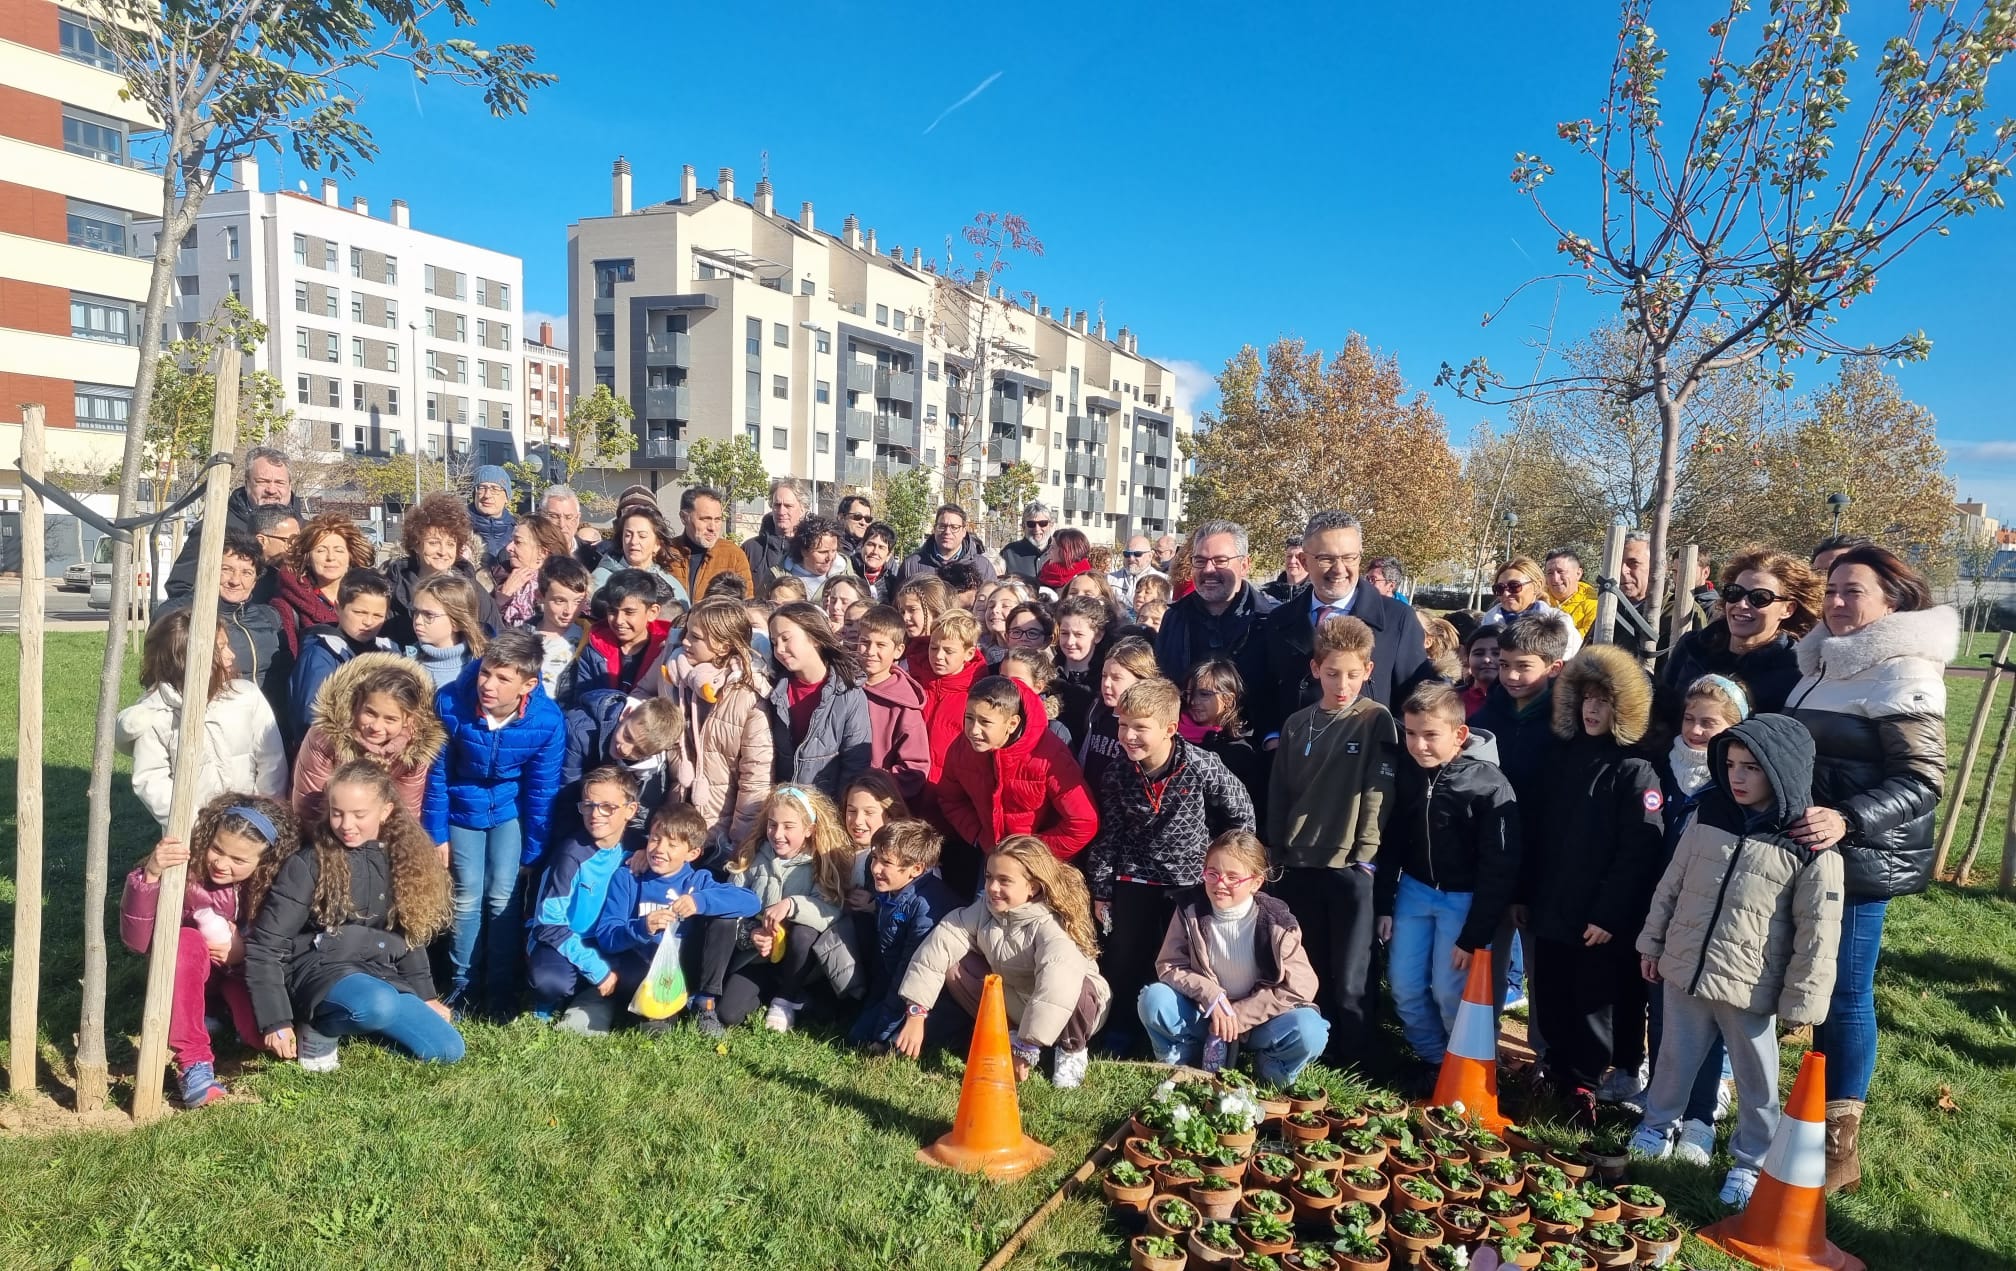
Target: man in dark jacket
(1221,618)
(490,512)
(856,514)
(771,547)
(267,484)
(949,542)
(1333,551)
(1021,557)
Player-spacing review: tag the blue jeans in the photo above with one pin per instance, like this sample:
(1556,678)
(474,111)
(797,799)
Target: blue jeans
(360,1003)
(1281,1046)
(1707,1088)
(484,867)
(1426,989)
(1848,1038)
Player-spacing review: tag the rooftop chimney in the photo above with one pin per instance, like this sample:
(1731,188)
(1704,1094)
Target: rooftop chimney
(850,231)
(1100,331)
(546,334)
(619,188)
(871,242)
(766,203)
(400,216)
(248,174)
(360,205)
(724,184)
(329,191)
(1122,341)
(689,184)
(916,258)
(1079,326)
(805,215)
(1044,311)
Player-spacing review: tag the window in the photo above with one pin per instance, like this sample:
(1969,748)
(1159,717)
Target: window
(356,262)
(356,306)
(301,341)
(461,329)
(805,287)
(822,342)
(188,285)
(930,414)
(433,365)
(1056,477)
(93,136)
(391,357)
(300,297)
(605,333)
(931,371)
(825,442)
(329,302)
(391,401)
(482,328)
(301,389)
(357,395)
(427,283)
(780,439)
(103,407)
(329,344)
(93,318)
(329,257)
(301,249)
(780,335)
(881,315)
(1060,402)
(503,415)
(504,376)
(608,273)
(825,391)
(503,292)
(780,387)
(391,313)
(752,341)
(334,395)
(504,336)
(236,292)
(356,350)
(77,41)
(392,269)
(703,271)
(102,229)
(461,370)
(483,292)
(899,319)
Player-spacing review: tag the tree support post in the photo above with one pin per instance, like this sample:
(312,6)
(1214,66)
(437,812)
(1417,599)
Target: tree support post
(1975,732)
(147,1099)
(1987,796)
(1605,630)
(22,1031)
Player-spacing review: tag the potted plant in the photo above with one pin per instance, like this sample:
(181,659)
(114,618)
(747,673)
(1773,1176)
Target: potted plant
(1155,1253)
(1516,1248)
(1486,1146)
(1609,1150)
(1215,1196)
(1413,1232)
(1408,1157)
(1609,1244)
(1504,1208)
(1464,1224)
(1635,1201)
(1305,1126)
(1315,1195)
(1459,1178)
(1519,1140)
(1501,1175)
(1417,1191)
(1575,1165)
(1235,1116)
(1268,1169)
(1171,1216)
(1310,1258)
(1604,1204)
(1230,1079)
(1391,1127)
(1658,1238)
(1176,1176)
(1365,1184)
(1341,1120)
(1560,1257)
(1272,1204)
(1307,1094)
(1381,1103)
(1266,1233)
(1547,1178)
(1447,1257)
(1214,1244)
(1193,1136)
(1128,1186)
(1557,1215)
(1259,1262)
(1226,1162)
(1361,1146)
(1322,1154)
(1360,1250)
(1144,1153)
(1444,1118)
(1356,1213)
(1444,1147)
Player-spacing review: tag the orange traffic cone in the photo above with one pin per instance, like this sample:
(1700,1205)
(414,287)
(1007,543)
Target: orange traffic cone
(1469,1073)
(1785,1224)
(986,1135)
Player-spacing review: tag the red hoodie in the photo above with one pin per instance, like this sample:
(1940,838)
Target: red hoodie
(945,705)
(1030,786)
(900,743)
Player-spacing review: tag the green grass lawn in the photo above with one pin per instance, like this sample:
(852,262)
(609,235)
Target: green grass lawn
(546,1150)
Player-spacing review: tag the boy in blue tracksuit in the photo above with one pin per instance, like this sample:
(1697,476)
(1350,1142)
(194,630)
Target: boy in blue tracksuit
(639,910)
(909,901)
(561,959)
(490,800)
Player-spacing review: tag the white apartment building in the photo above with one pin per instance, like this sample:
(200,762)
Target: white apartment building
(389,339)
(72,277)
(846,363)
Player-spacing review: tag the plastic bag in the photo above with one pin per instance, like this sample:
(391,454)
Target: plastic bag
(663,993)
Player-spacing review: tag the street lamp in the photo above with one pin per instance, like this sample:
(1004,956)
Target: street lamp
(419,406)
(812,412)
(1511,523)
(1839,503)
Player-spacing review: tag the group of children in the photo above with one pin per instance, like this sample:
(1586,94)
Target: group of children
(856,817)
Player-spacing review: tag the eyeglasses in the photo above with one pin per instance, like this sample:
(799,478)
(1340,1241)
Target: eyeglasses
(428,615)
(1511,588)
(1133,555)
(489,487)
(862,517)
(1035,525)
(1331,562)
(1214,562)
(600,809)
(1755,597)
(287,539)
(1230,880)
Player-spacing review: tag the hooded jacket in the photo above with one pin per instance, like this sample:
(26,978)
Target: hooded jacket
(901,745)
(1875,702)
(253,630)
(727,756)
(324,648)
(1456,829)
(945,705)
(1770,672)
(1744,915)
(774,878)
(1598,837)
(1580,606)
(1286,980)
(1032,785)
(766,554)
(241,746)
(696,568)
(331,743)
(598,661)
(299,607)
(1158,832)
(486,776)
(1043,971)
(404,574)
(568,903)
(838,742)
(1284,685)
(928,560)
(237,520)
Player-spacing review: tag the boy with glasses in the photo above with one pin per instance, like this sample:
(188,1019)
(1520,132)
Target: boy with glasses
(563,963)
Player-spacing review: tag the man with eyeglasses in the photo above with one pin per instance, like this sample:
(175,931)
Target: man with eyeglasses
(1136,563)
(490,512)
(1022,557)
(268,483)
(949,542)
(564,507)
(1221,618)
(252,626)
(1333,550)
(771,547)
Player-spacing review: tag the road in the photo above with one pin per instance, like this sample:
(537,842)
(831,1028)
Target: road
(67,610)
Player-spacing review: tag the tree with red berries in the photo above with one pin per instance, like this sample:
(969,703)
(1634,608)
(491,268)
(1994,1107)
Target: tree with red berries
(1734,236)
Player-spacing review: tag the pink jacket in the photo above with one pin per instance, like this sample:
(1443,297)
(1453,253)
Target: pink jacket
(138,900)
(896,723)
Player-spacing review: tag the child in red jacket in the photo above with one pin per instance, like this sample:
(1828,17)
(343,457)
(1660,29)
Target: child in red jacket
(952,664)
(1007,774)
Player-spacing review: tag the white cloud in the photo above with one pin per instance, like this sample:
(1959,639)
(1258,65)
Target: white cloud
(1990,452)
(1196,385)
(533,317)
(978,89)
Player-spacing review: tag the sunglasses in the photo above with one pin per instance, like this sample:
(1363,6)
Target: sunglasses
(1035,525)
(1133,555)
(1509,589)
(860,516)
(1755,597)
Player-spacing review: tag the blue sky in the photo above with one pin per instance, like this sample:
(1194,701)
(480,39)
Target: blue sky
(1212,176)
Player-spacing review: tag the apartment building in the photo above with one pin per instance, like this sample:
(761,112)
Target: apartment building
(548,392)
(388,338)
(847,363)
(74,174)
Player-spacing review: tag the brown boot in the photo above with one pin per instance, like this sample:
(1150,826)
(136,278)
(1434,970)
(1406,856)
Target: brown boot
(1844,1157)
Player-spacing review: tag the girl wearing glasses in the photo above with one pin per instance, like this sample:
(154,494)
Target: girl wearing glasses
(1769,599)
(1518,590)
(1232,968)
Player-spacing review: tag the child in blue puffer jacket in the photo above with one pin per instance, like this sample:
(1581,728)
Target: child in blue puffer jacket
(489,804)
(909,901)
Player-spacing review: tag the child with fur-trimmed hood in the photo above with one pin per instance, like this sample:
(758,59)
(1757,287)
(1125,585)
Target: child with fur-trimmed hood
(1588,876)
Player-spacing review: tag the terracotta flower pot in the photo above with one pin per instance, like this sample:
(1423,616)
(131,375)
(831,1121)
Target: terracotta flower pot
(1445,1120)
(1141,1260)
(1133,1199)
(1241,1142)
(1513,1221)
(1375,1225)
(1134,1149)
(1554,1232)
(1518,1140)
(1315,1103)
(1246,1205)
(1253,1177)
(1573,1164)
(1156,1227)
(1513,1188)
(1410,1248)
(1203,1255)
(1604,1213)
(1373,1196)
(1526,1259)
(1295,1133)
(1620,1258)
(1610,1167)
(1264,1246)
(1172,1183)
(1234,1171)
(1310,1258)
(1370,1160)
(1382,1262)
(1480,1153)
(1465,1194)
(1215,1204)
(1396,1166)
(1577,1250)
(1628,1212)
(1404,1199)
(1455,1235)
(1326,1164)
(1311,1208)
(1657,1253)
(1273,1107)
(1341,1120)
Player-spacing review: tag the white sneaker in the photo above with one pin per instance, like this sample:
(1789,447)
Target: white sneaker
(315,1052)
(1621,1085)
(1736,1188)
(781,1015)
(1068,1072)
(1650,1144)
(1725,1097)
(1696,1144)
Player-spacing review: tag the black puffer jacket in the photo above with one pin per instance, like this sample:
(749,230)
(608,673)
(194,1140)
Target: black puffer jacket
(767,553)
(403,575)
(1457,830)
(1875,702)
(1770,671)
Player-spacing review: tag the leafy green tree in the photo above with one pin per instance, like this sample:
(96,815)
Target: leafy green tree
(906,505)
(1788,181)
(184,402)
(598,436)
(225,79)
(733,467)
(1008,491)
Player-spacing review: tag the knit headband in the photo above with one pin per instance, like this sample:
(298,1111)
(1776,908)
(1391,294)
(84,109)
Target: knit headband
(257,820)
(1735,692)
(811,817)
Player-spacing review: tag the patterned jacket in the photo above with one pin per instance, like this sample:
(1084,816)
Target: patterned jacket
(1158,832)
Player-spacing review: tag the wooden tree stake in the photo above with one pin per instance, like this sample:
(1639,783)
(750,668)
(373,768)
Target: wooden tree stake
(1975,732)
(1966,866)
(147,1101)
(21,1036)
(1605,630)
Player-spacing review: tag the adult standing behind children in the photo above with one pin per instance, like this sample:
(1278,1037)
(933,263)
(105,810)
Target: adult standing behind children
(949,542)
(329,547)
(268,484)
(435,537)
(1024,556)
(700,554)
(252,626)
(1769,600)
(490,512)
(1222,617)
(771,547)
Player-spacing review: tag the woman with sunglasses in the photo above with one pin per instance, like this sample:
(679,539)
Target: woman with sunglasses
(1517,588)
(1768,600)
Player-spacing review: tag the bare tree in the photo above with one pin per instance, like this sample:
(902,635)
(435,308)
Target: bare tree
(979,324)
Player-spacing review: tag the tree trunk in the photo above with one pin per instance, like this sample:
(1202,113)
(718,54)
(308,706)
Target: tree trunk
(1662,491)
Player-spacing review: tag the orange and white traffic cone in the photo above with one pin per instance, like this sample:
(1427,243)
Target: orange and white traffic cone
(986,1135)
(1785,1224)
(1469,1073)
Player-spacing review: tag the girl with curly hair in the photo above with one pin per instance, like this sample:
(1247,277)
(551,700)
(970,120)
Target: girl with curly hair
(339,948)
(234,851)
(329,547)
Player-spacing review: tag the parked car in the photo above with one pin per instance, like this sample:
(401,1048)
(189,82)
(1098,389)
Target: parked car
(77,577)
(101,577)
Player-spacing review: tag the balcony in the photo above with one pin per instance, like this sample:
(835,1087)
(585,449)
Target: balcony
(675,402)
(855,472)
(1077,464)
(1005,447)
(859,376)
(859,425)
(896,385)
(660,452)
(669,348)
(1073,498)
(1004,410)
(887,466)
(895,431)
(958,401)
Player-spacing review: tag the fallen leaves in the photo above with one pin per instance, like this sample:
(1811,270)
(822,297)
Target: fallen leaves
(1945,1102)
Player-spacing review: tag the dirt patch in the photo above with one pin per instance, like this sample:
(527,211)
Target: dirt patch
(37,1115)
